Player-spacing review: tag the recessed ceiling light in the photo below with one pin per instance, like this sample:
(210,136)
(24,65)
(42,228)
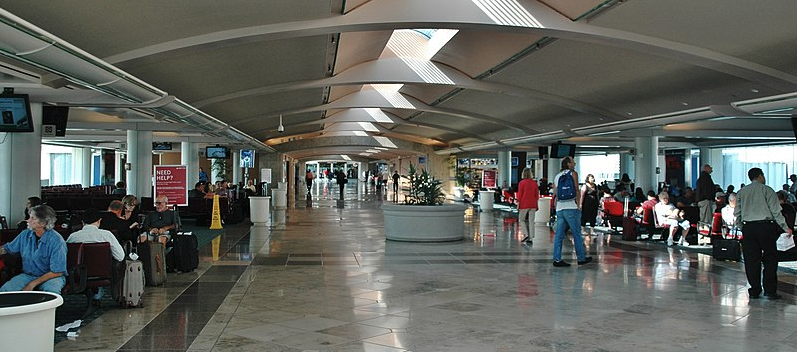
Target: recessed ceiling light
(754,90)
(684,103)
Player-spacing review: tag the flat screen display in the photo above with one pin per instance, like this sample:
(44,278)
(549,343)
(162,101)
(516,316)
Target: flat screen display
(161,145)
(15,110)
(217,152)
(56,115)
(560,150)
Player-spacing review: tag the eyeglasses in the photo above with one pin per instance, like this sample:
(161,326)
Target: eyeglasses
(160,202)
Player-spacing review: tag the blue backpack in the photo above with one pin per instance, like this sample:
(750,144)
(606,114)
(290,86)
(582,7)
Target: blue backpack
(565,188)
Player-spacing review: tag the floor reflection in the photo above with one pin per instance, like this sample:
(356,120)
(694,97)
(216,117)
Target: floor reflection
(321,277)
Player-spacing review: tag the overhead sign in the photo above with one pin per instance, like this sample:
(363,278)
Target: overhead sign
(248,158)
(170,181)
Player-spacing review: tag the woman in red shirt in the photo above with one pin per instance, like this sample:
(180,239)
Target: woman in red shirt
(528,194)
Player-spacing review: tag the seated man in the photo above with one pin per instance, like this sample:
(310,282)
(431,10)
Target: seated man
(121,188)
(92,234)
(114,220)
(668,214)
(647,204)
(160,223)
(198,191)
(43,253)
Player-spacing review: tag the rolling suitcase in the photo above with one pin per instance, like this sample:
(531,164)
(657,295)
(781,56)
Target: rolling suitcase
(184,255)
(153,257)
(128,288)
(630,229)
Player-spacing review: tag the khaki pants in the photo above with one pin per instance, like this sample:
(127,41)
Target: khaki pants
(526,221)
(707,208)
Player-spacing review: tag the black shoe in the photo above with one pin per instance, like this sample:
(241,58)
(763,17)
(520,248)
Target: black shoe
(773,295)
(753,295)
(560,263)
(526,239)
(586,260)
(529,242)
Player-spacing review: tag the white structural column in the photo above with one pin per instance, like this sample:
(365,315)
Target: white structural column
(236,166)
(627,165)
(646,160)
(554,166)
(82,166)
(119,169)
(139,155)
(20,156)
(705,158)
(189,154)
(504,168)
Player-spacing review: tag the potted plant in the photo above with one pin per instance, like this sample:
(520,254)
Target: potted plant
(423,217)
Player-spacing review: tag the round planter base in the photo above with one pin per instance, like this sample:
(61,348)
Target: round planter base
(424,223)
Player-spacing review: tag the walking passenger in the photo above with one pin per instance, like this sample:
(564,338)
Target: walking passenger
(568,213)
(528,194)
(758,210)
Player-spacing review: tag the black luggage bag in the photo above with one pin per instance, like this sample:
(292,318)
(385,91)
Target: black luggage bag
(726,249)
(184,255)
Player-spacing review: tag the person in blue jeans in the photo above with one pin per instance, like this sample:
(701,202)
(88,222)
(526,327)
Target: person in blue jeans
(568,214)
(43,253)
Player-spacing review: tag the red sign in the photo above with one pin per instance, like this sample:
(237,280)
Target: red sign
(170,182)
(488,178)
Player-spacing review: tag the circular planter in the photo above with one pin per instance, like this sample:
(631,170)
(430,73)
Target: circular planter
(424,223)
(30,314)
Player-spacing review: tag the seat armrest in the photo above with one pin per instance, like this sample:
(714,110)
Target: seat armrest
(77,278)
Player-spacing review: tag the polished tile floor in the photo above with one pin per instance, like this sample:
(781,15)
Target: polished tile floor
(321,277)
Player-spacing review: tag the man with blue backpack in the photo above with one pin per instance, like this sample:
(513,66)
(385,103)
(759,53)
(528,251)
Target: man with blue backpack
(568,213)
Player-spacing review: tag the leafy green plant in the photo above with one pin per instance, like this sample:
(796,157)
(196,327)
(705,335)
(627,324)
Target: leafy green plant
(423,188)
(220,167)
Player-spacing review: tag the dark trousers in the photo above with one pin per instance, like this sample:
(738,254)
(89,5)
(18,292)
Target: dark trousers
(341,185)
(758,246)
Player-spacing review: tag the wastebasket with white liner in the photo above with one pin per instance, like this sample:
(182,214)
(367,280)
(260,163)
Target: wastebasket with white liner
(543,211)
(259,209)
(27,320)
(280,195)
(486,200)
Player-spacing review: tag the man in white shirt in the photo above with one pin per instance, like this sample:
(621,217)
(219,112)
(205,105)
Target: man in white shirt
(91,233)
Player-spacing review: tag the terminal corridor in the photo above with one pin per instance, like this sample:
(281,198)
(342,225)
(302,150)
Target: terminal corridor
(321,277)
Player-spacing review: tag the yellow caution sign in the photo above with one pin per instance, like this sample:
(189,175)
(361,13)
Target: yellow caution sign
(215,223)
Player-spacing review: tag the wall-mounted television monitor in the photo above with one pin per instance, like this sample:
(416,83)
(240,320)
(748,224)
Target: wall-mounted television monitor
(217,152)
(543,152)
(57,116)
(16,116)
(559,150)
(161,145)
(515,161)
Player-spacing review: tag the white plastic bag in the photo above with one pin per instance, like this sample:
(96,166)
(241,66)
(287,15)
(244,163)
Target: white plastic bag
(785,242)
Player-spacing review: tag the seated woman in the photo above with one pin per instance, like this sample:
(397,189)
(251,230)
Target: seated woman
(668,214)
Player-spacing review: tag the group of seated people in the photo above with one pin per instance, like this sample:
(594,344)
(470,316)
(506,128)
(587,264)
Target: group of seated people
(672,216)
(43,250)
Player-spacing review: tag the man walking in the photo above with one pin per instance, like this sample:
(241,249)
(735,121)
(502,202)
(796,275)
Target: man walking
(758,210)
(705,197)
